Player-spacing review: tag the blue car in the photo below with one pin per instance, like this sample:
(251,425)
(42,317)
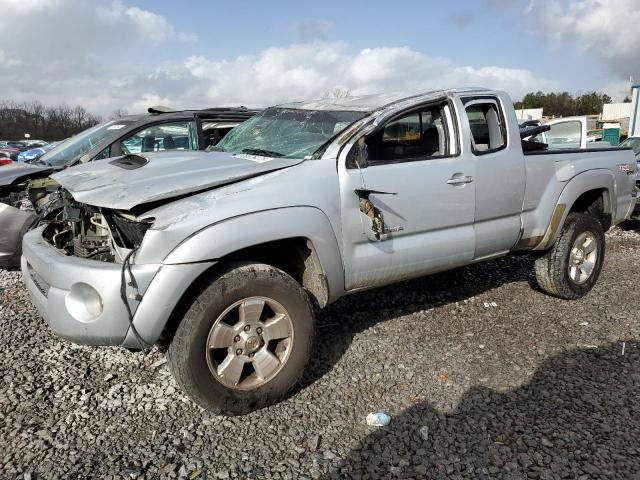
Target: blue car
(33,154)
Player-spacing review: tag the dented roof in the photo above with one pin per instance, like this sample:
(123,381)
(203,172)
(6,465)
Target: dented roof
(370,103)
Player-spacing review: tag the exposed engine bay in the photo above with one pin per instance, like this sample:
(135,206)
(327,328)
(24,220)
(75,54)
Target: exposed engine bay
(34,195)
(91,232)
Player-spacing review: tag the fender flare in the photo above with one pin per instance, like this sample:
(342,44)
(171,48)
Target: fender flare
(230,235)
(598,179)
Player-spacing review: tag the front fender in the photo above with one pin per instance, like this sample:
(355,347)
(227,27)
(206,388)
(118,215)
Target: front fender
(231,235)
(597,179)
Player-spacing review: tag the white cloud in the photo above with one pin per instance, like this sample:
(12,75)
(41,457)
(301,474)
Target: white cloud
(95,54)
(149,100)
(308,70)
(153,26)
(618,90)
(606,29)
(7,62)
(26,6)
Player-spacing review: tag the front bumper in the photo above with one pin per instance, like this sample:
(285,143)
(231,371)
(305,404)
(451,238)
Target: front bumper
(80,298)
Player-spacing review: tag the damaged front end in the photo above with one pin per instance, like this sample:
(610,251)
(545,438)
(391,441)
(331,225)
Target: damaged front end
(96,233)
(22,207)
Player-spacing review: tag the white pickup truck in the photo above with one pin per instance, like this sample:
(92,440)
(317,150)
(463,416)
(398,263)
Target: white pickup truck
(220,256)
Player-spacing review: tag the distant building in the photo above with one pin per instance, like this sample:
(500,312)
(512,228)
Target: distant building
(524,114)
(617,112)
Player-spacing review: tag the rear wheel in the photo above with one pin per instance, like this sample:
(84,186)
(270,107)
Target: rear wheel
(244,341)
(572,266)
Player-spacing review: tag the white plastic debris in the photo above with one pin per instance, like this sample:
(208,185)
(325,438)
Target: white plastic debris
(624,344)
(424,432)
(584,324)
(490,304)
(379,419)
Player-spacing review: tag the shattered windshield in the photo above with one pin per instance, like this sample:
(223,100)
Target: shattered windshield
(286,132)
(70,151)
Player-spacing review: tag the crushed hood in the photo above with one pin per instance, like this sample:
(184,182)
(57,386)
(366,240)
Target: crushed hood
(17,172)
(127,182)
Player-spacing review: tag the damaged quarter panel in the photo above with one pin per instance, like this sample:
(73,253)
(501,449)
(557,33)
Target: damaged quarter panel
(211,224)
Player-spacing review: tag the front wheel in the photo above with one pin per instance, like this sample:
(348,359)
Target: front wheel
(571,267)
(244,341)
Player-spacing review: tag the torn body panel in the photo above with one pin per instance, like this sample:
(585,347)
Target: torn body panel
(163,177)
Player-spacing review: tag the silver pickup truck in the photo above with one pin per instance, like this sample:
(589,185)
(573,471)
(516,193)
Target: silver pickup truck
(222,256)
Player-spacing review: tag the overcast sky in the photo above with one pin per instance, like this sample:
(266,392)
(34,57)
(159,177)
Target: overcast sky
(109,54)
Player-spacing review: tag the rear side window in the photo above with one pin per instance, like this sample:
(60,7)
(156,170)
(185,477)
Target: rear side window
(488,132)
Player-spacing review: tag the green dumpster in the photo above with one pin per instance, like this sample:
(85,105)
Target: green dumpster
(611,133)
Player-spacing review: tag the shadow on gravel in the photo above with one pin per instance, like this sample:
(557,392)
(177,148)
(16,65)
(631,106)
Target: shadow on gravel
(577,416)
(630,226)
(341,321)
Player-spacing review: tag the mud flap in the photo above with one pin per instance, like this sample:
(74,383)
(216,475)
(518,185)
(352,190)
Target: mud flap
(14,223)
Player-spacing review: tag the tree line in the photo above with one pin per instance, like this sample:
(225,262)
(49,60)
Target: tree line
(564,104)
(42,122)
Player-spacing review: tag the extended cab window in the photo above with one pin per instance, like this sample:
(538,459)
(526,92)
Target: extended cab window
(417,135)
(487,128)
(164,136)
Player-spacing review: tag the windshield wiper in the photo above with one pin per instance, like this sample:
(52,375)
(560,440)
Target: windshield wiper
(261,152)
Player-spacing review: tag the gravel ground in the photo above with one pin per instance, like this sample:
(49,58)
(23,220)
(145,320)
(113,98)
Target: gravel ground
(507,383)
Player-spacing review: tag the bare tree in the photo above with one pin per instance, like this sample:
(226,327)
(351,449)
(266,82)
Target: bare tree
(42,122)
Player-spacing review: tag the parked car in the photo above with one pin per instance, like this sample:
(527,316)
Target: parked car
(36,143)
(33,154)
(25,189)
(13,149)
(221,256)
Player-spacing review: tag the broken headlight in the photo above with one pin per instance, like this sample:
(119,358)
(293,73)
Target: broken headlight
(129,232)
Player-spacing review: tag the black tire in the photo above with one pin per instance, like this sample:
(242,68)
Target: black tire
(187,353)
(552,268)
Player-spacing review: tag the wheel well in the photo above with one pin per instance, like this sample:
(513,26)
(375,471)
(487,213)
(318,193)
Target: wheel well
(597,203)
(295,256)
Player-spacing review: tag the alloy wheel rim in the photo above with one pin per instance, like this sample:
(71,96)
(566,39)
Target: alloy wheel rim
(583,257)
(249,343)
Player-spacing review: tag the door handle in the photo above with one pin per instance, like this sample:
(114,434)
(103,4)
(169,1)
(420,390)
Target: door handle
(460,180)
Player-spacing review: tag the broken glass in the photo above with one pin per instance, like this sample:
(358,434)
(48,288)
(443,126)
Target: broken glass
(286,132)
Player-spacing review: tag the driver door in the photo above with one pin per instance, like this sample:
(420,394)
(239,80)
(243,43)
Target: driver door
(419,183)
